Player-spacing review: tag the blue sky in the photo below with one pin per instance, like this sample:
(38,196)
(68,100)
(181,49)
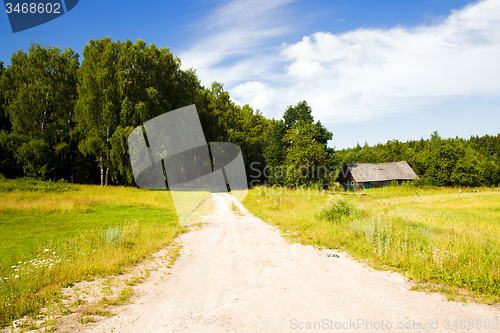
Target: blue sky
(371,70)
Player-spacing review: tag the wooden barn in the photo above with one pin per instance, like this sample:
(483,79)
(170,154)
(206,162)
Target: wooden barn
(368,175)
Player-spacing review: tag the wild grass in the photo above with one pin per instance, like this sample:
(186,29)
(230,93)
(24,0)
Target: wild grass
(236,210)
(56,234)
(435,236)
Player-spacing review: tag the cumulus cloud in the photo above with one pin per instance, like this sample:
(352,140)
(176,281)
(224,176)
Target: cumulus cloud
(257,94)
(362,74)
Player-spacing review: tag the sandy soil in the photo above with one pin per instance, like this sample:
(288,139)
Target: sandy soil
(237,274)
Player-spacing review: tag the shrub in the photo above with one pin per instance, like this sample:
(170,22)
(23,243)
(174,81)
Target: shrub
(113,236)
(337,211)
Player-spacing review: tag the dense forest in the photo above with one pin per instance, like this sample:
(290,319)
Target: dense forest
(62,119)
(437,161)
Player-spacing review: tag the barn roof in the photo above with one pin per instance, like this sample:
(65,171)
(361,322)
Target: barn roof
(368,172)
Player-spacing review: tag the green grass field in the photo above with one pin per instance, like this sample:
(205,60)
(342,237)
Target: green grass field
(443,239)
(55,234)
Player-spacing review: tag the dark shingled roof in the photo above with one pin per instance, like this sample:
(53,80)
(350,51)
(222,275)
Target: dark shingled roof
(368,172)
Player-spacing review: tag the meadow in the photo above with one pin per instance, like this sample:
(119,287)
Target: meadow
(54,234)
(441,239)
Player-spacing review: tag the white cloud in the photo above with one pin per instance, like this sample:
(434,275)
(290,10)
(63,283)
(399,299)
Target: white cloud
(239,38)
(353,76)
(257,94)
(306,69)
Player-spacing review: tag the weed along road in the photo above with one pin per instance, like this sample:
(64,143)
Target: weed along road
(237,274)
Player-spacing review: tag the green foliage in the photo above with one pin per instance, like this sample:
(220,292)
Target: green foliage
(4,118)
(34,185)
(297,153)
(437,161)
(60,120)
(113,235)
(336,211)
(274,153)
(39,92)
(222,120)
(8,164)
(97,109)
(303,152)
(120,157)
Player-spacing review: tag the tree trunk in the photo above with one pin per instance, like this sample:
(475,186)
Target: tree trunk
(102,172)
(72,176)
(107,155)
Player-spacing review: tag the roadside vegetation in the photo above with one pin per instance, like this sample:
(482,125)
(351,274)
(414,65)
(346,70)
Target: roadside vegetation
(55,234)
(65,120)
(437,161)
(442,239)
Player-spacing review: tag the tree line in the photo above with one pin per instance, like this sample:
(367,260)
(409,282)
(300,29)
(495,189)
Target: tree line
(437,161)
(62,119)
(65,119)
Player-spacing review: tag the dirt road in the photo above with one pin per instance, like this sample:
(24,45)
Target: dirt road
(237,274)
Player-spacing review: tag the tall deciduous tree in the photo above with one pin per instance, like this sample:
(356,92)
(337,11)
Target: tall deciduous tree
(120,156)
(222,120)
(4,119)
(123,85)
(39,90)
(306,156)
(150,83)
(98,109)
(297,143)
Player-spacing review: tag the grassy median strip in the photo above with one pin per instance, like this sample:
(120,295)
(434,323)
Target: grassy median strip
(55,234)
(437,237)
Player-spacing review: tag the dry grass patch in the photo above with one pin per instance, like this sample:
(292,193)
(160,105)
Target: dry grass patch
(434,236)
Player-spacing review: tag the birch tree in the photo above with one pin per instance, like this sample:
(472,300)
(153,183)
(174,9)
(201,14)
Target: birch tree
(98,109)
(39,89)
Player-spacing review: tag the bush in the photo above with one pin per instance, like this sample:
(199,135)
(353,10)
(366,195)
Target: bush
(337,211)
(35,185)
(113,236)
